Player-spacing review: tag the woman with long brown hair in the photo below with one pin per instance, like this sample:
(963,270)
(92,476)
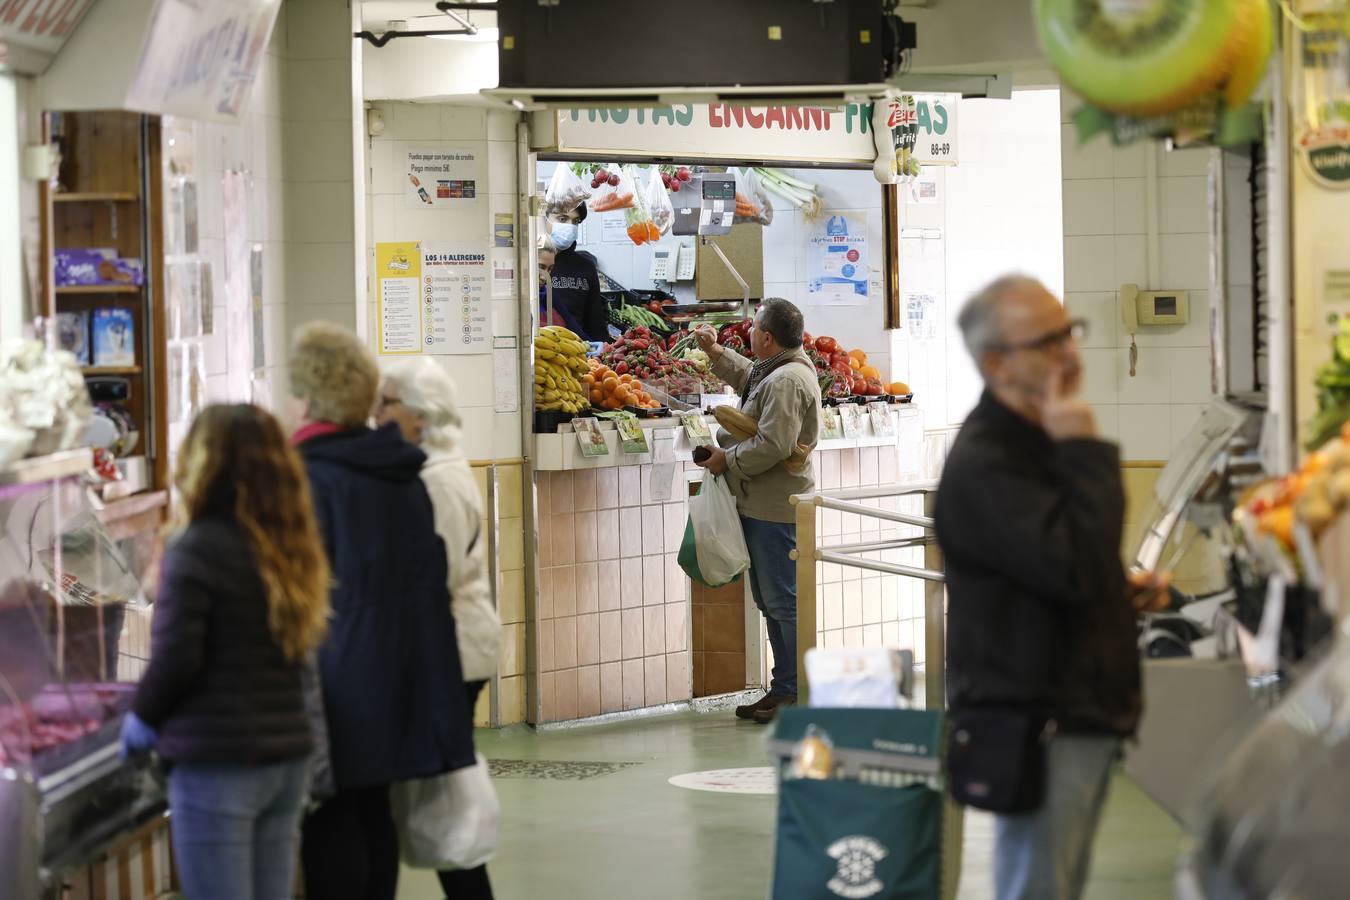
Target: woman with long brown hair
(242,603)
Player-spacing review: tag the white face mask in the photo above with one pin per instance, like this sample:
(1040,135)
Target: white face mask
(564,235)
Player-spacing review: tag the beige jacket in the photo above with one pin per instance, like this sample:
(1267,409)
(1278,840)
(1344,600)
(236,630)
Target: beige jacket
(786,404)
(458,508)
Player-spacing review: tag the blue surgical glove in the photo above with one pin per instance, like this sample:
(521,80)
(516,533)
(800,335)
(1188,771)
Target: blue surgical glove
(137,737)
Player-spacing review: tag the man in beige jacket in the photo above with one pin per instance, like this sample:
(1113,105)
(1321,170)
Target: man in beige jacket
(779,389)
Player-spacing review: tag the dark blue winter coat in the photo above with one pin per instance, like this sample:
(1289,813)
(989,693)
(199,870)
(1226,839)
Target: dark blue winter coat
(393,691)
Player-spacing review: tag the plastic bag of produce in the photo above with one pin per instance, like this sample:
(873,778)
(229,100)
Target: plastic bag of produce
(564,194)
(617,191)
(638,220)
(658,202)
(752,200)
(713,552)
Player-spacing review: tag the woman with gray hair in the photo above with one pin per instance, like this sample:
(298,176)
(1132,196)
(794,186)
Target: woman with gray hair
(420,397)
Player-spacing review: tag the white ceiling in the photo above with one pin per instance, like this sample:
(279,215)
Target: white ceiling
(421,15)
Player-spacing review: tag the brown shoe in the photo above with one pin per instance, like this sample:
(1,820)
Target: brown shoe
(748,712)
(765,714)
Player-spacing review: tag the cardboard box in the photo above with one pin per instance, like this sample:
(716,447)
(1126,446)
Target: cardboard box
(744,247)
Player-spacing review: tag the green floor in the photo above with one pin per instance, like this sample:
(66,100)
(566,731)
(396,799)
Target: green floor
(629,834)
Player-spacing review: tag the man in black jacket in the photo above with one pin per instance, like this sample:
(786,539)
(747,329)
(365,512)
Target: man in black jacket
(1041,621)
(576,283)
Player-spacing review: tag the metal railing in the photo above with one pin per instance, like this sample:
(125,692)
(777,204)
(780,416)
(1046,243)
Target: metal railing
(809,552)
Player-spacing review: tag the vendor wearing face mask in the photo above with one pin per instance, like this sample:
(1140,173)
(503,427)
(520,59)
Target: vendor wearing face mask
(576,282)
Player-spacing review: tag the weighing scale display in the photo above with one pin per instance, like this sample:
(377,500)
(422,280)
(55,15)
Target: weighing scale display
(719,189)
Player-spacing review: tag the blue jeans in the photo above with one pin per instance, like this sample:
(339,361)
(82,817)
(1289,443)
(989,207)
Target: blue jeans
(773,584)
(1046,854)
(236,829)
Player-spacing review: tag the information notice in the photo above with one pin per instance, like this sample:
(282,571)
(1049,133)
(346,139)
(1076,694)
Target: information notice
(433,299)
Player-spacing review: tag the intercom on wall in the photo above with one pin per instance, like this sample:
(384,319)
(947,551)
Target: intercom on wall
(1143,309)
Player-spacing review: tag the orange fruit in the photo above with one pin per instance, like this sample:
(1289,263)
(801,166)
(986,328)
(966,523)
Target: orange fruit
(854,363)
(611,383)
(859,355)
(870,372)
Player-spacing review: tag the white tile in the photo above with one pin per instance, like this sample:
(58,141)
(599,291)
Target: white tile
(319,212)
(1131,161)
(1152,381)
(1131,205)
(1108,421)
(318,89)
(501,165)
(1101,381)
(319,151)
(1090,160)
(386,168)
(1089,264)
(384,218)
(319,273)
(501,126)
(1185,162)
(416,122)
(505,436)
(1131,261)
(1145,432)
(477,433)
(1089,206)
(1190,375)
(319,36)
(1184,205)
(1101,312)
(1184,418)
(1185,262)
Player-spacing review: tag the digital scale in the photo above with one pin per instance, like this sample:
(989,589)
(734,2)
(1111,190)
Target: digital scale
(719,205)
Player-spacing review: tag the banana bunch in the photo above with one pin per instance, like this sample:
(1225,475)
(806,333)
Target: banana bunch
(559,363)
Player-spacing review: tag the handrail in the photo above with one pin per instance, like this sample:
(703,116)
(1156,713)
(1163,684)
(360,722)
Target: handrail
(808,553)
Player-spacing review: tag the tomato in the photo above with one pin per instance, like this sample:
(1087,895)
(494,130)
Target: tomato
(827,345)
(860,386)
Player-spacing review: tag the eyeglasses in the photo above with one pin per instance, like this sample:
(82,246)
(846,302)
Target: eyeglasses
(386,402)
(1075,330)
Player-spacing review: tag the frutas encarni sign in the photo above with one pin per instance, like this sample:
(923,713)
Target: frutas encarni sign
(731,132)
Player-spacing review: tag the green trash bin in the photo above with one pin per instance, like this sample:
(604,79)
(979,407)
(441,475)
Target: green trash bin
(875,830)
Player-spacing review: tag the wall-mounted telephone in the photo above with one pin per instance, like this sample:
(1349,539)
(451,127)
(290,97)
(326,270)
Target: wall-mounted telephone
(1149,308)
(673,263)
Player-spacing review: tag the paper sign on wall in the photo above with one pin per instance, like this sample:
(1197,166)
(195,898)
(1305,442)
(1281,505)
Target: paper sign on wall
(838,260)
(440,178)
(398,269)
(456,314)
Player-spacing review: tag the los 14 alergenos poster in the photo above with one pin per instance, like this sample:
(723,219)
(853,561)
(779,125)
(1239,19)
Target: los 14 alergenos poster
(433,299)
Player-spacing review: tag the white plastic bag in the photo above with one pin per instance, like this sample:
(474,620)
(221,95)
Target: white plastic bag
(658,202)
(718,538)
(452,821)
(753,206)
(855,677)
(565,193)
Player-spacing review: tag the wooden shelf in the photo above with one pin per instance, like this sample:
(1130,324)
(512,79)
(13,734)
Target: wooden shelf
(111,370)
(99,289)
(95,197)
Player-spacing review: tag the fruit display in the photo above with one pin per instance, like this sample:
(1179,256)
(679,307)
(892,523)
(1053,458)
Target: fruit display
(608,389)
(643,354)
(559,364)
(1155,58)
(1333,390)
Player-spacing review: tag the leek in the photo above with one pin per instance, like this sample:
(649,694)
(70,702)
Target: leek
(801,194)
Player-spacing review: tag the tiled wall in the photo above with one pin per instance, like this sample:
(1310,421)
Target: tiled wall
(612,617)
(856,607)
(491,135)
(1105,247)
(507,569)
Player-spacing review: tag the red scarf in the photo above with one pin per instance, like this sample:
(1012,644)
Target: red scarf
(313,430)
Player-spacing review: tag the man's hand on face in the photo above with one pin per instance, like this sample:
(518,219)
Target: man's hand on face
(716,462)
(1063,416)
(1150,590)
(707,341)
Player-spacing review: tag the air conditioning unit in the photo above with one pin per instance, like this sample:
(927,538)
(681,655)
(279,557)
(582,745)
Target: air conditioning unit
(566,53)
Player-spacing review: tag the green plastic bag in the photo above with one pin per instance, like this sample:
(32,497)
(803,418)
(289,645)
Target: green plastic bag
(698,505)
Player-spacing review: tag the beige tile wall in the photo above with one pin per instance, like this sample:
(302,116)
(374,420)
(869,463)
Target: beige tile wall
(507,567)
(612,621)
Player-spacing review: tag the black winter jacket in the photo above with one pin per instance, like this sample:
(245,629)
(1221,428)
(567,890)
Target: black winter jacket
(393,692)
(218,688)
(1038,615)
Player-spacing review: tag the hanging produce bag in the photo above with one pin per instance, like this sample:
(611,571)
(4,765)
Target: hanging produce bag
(638,220)
(564,195)
(752,201)
(713,552)
(658,203)
(616,193)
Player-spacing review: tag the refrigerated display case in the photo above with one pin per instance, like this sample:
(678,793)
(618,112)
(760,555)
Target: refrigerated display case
(65,683)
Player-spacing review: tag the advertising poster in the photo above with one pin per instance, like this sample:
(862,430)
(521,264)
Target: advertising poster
(837,260)
(398,269)
(503,230)
(433,299)
(440,178)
